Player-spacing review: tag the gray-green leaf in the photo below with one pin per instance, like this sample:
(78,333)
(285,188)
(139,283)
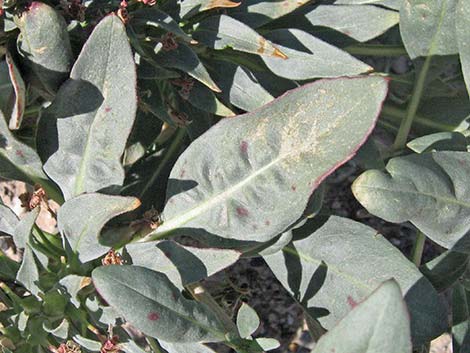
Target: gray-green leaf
(81,219)
(427,27)
(346,260)
(44,43)
(247,321)
(8,219)
(309,57)
(150,302)
(361,22)
(250,177)
(430,190)
(462,24)
(379,324)
(93,114)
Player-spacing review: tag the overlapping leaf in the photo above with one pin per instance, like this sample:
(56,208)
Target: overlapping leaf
(189,8)
(309,57)
(44,43)
(462,24)
(379,324)
(250,177)
(92,114)
(81,219)
(361,22)
(181,264)
(346,260)
(150,302)
(8,219)
(427,27)
(430,190)
(19,90)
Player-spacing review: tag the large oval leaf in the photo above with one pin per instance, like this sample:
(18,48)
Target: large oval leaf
(44,43)
(151,303)
(379,324)
(250,177)
(430,190)
(427,27)
(96,209)
(92,114)
(346,260)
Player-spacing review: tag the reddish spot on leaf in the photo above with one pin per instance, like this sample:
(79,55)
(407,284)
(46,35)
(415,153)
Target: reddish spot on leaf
(242,211)
(244,147)
(183,172)
(153,316)
(462,163)
(267,222)
(19,153)
(352,303)
(293,187)
(107,109)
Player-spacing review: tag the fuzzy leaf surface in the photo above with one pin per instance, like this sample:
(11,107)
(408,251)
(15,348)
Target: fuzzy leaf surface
(81,219)
(8,219)
(309,57)
(150,302)
(347,260)
(93,114)
(45,45)
(462,25)
(181,264)
(379,324)
(247,320)
(427,27)
(430,190)
(250,177)
(361,22)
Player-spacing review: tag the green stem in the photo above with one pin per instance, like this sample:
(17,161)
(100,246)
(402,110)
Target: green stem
(203,296)
(418,248)
(41,237)
(405,126)
(376,50)
(154,345)
(172,150)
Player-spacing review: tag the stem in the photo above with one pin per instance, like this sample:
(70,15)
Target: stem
(202,295)
(315,328)
(174,147)
(418,248)
(376,50)
(405,126)
(156,348)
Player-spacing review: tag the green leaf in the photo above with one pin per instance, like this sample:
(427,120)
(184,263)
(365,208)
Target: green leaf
(8,219)
(462,25)
(440,141)
(190,8)
(240,86)
(8,268)
(309,57)
(201,97)
(268,344)
(185,59)
(247,320)
(155,18)
(72,284)
(256,13)
(97,210)
(460,319)
(181,264)
(250,177)
(28,273)
(19,88)
(18,161)
(379,324)
(220,32)
(346,260)
(361,22)
(427,27)
(392,4)
(151,303)
(44,44)
(429,190)
(92,114)
(445,269)
(185,347)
